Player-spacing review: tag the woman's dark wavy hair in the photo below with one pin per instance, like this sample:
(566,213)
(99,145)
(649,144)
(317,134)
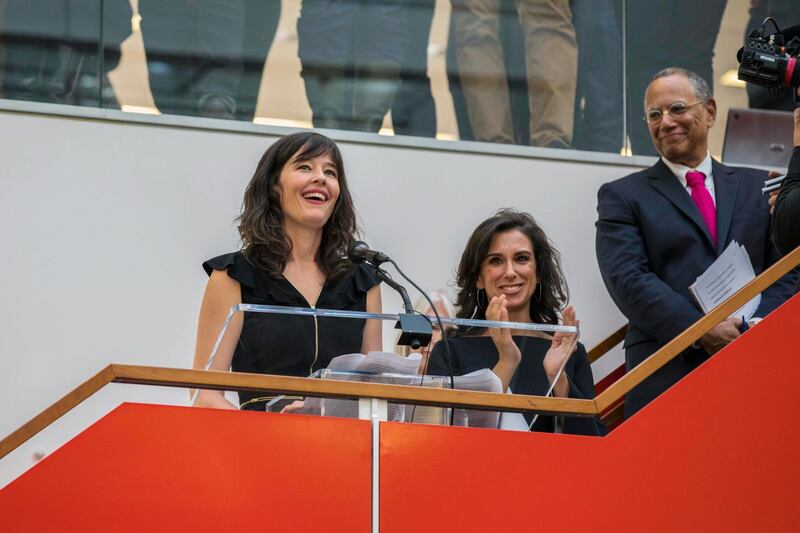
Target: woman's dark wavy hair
(551,293)
(264,242)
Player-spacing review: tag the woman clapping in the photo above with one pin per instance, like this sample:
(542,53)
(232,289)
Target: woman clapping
(509,271)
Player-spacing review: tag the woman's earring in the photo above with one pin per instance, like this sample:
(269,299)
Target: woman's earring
(539,292)
(477,301)
(478,297)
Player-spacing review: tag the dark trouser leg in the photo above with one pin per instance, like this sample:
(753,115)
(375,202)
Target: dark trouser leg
(454,83)
(413,110)
(260,25)
(330,93)
(512,39)
(194,55)
(381,38)
(598,101)
(324,33)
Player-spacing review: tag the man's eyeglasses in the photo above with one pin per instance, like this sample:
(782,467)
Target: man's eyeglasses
(654,116)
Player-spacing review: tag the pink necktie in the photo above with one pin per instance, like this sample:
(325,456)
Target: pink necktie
(701,197)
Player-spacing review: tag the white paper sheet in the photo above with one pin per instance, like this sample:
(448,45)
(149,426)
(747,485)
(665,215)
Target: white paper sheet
(730,272)
(483,380)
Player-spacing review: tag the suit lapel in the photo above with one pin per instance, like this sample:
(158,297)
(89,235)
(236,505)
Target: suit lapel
(665,182)
(726,186)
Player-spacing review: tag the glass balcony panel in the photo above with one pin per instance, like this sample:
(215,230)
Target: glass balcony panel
(529,73)
(703,38)
(49,52)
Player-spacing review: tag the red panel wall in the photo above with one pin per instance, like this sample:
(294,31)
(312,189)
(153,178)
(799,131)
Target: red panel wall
(720,451)
(157,468)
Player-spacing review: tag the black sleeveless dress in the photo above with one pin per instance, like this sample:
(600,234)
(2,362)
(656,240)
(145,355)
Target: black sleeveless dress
(292,345)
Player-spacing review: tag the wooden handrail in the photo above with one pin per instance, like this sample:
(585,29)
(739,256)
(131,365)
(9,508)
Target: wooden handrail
(56,411)
(614,416)
(677,345)
(174,377)
(328,388)
(606,344)
(207,379)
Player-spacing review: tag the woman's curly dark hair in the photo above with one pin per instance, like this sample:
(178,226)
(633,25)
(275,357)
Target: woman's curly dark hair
(551,288)
(264,242)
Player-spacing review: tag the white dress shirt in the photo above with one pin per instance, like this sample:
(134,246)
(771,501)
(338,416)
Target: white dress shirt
(704,167)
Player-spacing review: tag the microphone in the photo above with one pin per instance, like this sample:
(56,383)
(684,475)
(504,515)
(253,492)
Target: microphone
(360,252)
(416,330)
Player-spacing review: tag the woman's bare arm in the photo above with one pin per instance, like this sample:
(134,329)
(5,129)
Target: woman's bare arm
(372,341)
(222,292)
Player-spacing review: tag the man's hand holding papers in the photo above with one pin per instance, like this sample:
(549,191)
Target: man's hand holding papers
(730,272)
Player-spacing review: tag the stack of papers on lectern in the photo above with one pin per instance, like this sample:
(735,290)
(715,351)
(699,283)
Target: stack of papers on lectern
(730,272)
(375,367)
(384,367)
(376,363)
(483,380)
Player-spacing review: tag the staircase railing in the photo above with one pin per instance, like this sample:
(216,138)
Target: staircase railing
(611,396)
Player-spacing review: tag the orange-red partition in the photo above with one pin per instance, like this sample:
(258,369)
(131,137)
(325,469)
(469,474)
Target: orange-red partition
(157,468)
(720,451)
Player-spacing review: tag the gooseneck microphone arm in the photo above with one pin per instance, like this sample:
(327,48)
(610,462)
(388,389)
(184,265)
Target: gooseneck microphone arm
(384,276)
(416,328)
(360,252)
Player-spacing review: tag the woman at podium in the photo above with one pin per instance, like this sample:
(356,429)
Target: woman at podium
(509,271)
(296,225)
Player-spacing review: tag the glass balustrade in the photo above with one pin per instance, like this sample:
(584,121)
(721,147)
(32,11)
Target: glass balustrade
(557,74)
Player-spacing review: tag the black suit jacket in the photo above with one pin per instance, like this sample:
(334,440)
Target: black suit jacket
(786,220)
(652,244)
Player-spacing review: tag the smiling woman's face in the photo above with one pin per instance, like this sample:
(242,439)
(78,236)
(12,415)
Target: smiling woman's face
(308,190)
(510,268)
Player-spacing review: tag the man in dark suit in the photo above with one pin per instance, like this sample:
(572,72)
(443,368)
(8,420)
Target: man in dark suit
(660,228)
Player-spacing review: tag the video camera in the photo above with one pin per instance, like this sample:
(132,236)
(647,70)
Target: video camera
(771,60)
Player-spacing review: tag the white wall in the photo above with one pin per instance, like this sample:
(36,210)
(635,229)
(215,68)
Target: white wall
(104,225)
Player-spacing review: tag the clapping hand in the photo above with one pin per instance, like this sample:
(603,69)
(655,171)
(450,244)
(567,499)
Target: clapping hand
(562,347)
(508,353)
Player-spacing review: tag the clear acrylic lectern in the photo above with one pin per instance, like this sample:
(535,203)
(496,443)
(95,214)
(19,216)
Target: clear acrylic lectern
(383,367)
